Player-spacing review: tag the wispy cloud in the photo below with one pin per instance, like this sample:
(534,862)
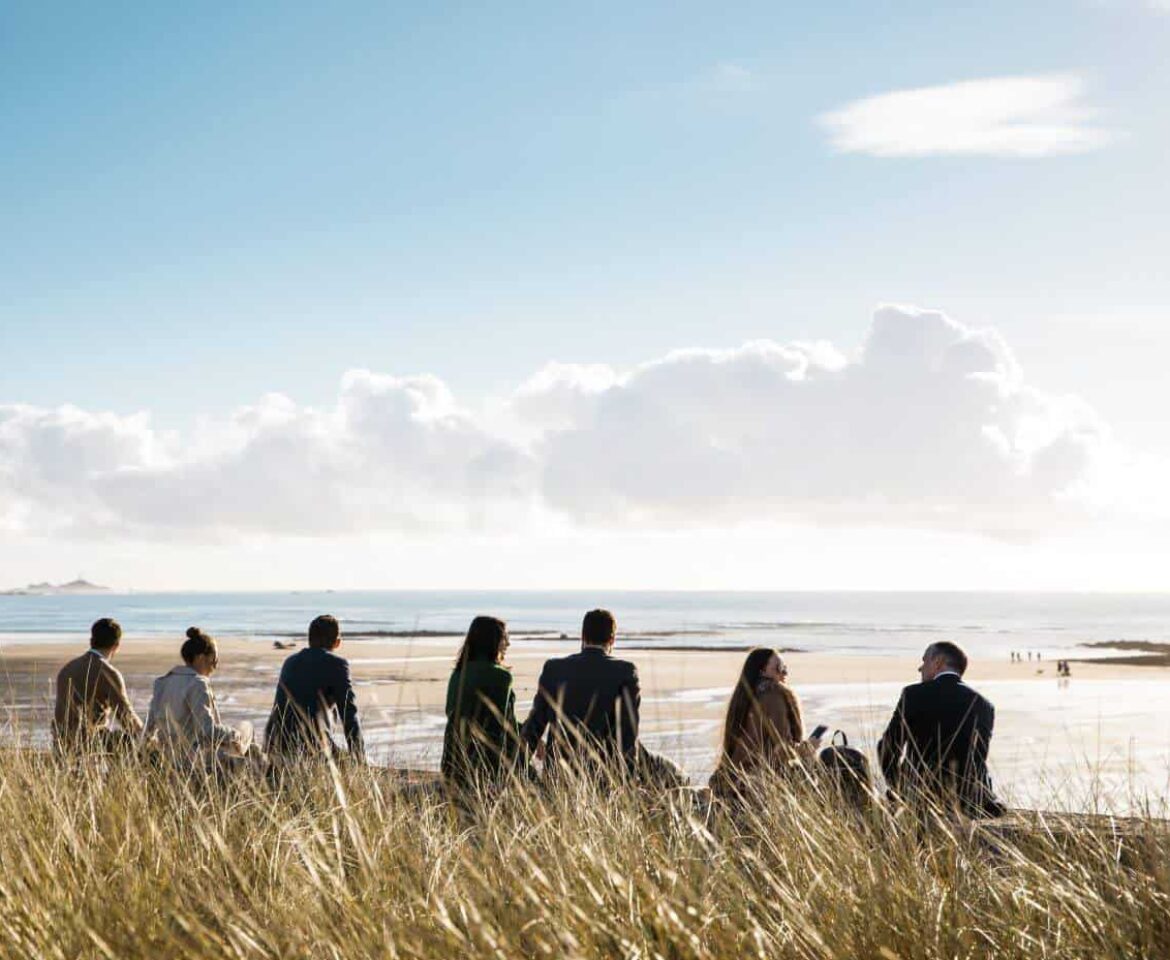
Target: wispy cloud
(725,80)
(729,78)
(1034,116)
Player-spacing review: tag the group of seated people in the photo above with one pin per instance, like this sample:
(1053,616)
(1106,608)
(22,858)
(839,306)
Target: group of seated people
(184,723)
(584,717)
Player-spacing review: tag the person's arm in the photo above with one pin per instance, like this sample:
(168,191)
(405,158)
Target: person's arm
(347,707)
(152,714)
(503,706)
(208,728)
(981,740)
(274,729)
(538,717)
(119,699)
(988,803)
(630,705)
(891,745)
(775,725)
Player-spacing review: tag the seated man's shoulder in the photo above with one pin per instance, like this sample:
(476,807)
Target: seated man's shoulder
(335,661)
(974,694)
(556,664)
(69,666)
(108,669)
(914,691)
(319,655)
(627,665)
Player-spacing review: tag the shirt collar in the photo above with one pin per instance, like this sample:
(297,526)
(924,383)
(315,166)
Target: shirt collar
(948,673)
(99,654)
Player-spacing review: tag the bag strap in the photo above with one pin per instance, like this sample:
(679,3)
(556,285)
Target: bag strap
(844,739)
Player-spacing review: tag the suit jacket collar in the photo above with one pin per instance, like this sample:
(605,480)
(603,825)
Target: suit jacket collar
(949,676)
(595,651)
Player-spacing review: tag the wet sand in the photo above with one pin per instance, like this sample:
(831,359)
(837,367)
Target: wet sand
(1102,734)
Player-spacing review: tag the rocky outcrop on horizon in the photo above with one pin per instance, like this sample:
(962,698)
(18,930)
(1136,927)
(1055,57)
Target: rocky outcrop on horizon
(51,589)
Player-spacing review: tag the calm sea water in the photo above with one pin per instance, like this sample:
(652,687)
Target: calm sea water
(1091,744)
(988,624)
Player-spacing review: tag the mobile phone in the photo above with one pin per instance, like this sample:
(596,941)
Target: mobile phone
(819,732)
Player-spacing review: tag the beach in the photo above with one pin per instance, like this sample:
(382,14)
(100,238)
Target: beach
(1098,740)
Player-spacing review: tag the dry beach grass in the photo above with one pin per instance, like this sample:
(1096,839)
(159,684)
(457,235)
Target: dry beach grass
(113,859)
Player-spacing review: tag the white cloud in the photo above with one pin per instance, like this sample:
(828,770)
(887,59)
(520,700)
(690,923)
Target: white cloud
(1035,116)
(930,423)
(392,453)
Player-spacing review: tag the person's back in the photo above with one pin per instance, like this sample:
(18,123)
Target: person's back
(91,693)
(763,732)
(313,682)
(481,735)
(935,746)
(184,718)
(588,702)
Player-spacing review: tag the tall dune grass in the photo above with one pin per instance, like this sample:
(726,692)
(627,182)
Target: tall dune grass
(117,859)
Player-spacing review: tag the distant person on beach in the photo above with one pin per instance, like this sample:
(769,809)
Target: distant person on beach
(763,732)
(588,702)
(314,683)
(91,693)
(935,746)
(184,721)
(481,738)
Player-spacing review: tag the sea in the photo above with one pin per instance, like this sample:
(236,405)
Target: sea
(986,624)
(1087,744)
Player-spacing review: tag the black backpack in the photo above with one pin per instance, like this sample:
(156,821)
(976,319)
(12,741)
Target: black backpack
(847,769)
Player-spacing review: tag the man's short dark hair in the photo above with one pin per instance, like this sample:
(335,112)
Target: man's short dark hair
(952,655)
(105,634)
(598,628)
(324,631)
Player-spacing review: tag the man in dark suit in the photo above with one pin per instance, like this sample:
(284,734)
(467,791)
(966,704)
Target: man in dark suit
(935,747)
(313,683)
(588,702)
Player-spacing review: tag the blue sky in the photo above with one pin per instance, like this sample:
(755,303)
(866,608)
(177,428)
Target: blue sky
(201,206)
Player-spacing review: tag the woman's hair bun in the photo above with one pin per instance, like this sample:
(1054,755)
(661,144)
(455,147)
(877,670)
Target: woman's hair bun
(194,633)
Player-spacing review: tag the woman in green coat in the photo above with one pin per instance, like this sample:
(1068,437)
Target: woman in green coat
(482,736)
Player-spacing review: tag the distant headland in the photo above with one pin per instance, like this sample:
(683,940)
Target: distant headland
(55,589)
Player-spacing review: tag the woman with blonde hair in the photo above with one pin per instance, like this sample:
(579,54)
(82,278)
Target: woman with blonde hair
(764,729)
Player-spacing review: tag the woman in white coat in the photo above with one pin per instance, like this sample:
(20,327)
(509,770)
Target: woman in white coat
(184,719)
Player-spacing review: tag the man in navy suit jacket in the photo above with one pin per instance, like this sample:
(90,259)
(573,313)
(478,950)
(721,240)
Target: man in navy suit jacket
(935,747)
(313,683)
(588,702)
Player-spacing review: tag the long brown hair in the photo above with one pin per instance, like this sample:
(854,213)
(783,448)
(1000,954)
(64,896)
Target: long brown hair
(484,641)
(743,698)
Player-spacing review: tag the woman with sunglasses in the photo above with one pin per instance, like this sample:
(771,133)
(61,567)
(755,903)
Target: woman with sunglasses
(184,720)
(764,729)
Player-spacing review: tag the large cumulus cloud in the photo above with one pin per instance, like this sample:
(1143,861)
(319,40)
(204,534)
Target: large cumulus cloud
(931,420)
(928,420)
(392,453)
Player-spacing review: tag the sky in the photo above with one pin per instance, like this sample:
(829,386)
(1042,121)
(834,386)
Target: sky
(681,296)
